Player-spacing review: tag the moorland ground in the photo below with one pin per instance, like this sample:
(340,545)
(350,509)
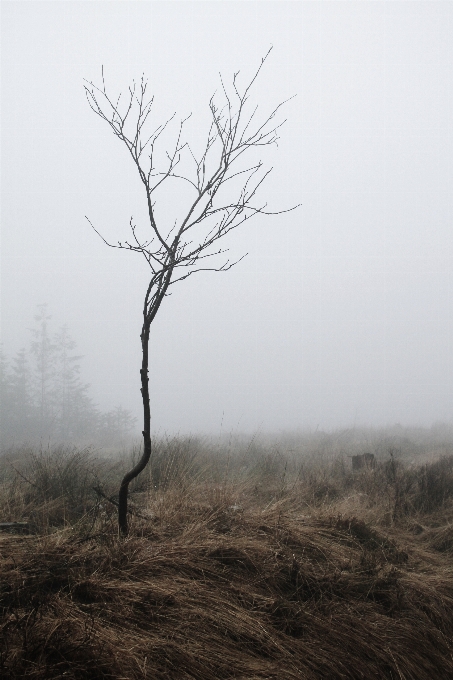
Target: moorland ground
(246,559)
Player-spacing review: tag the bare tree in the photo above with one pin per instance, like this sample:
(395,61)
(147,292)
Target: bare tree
(223,198)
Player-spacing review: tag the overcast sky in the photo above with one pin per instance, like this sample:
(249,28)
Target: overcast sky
(341,314)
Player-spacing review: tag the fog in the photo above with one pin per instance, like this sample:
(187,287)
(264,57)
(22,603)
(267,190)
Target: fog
(341,313)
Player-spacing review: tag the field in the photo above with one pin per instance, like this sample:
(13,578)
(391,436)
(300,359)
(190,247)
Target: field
(246,559)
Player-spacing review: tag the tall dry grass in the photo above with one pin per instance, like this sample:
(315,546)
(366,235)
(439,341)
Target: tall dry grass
(245,560)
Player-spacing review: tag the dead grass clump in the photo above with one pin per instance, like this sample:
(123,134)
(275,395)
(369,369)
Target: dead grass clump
(435,484)
(440,539)
(370,539)
(174,461)
(49,488)
(207,593)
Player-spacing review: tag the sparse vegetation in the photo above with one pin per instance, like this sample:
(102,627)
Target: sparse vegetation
(244,560)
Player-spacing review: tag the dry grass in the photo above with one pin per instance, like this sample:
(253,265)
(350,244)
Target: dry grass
(276,570)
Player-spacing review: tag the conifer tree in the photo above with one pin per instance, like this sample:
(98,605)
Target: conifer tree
(23,415)
(44,351)
(118,425)
(42,395)
(5,397)
(77,415)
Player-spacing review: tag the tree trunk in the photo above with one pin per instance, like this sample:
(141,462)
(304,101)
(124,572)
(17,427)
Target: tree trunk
(143,462)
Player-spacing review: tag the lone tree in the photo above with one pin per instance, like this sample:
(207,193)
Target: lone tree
(223,198)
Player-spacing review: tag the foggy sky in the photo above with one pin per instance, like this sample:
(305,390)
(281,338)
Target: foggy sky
(341,314)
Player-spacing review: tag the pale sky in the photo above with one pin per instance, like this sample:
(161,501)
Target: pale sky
(341,314)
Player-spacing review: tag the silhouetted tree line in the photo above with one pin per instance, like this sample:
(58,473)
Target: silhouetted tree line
(42,395)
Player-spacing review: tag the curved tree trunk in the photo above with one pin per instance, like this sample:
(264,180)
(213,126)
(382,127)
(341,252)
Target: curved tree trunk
(143,462)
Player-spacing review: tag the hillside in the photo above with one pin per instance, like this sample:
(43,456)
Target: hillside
(265,572)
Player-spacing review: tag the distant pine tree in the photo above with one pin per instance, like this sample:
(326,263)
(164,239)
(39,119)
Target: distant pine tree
(18,416)
(117,425)
(44,352)
(42,395)
(24,416)
(5,398)
(77,415)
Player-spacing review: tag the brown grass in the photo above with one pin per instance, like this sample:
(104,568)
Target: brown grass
(265,574)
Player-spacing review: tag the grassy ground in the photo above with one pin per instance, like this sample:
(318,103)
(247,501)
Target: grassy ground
(244,561)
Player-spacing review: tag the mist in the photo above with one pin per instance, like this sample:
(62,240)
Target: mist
(341,313)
